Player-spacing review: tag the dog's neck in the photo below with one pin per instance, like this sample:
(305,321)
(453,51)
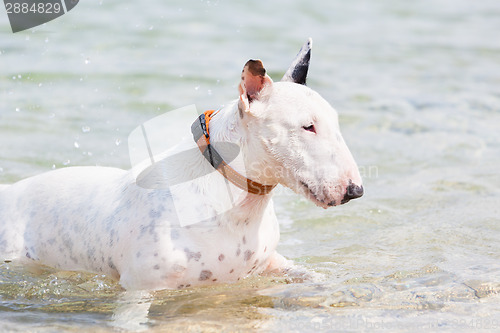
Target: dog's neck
(228,126)
(186,162)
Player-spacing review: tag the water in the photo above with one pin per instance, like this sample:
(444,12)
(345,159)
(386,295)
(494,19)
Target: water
(416,85)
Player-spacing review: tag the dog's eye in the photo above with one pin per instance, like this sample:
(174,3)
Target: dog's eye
(310,128)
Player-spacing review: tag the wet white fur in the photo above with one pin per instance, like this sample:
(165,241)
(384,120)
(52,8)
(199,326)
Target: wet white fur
(97,219)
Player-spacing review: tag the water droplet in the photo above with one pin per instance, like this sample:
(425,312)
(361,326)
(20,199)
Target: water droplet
(85,129)
(47,40)
(76,144)
(18,109)
(117,142)
(52,115)
(151,28)
(19,76)
(27,38)
(67,162)
(197,88)
(40,84)
(53,166)
(87,61)
(1,169)
(209,92)
(13,78)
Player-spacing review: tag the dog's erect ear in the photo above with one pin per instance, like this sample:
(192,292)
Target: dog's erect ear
(298,69)
(253,80)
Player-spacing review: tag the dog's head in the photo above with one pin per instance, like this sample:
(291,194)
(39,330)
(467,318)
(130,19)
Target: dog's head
(297,133)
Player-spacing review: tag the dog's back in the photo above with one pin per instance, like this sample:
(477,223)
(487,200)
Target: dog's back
(31,208)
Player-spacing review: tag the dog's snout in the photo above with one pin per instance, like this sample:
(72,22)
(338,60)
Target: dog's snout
(353,191)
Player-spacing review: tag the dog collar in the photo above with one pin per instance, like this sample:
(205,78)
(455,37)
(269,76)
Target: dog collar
(201,136)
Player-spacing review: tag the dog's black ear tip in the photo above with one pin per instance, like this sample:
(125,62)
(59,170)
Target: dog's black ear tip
(309,42)
(297,72)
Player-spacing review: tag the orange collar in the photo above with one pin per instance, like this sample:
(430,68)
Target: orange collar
(202,137)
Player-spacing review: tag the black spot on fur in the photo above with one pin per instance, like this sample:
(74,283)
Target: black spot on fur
(111,236)
(154,214)
(192,255)
(248,255)
(221,257)
(205,275)
(111,264)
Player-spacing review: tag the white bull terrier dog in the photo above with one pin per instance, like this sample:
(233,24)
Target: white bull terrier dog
(99,219)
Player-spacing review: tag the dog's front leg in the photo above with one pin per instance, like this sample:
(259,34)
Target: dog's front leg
(280,265)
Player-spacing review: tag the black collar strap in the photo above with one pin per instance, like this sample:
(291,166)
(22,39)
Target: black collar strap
(202,138)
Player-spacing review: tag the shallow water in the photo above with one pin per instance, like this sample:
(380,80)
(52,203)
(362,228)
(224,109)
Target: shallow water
(417,89)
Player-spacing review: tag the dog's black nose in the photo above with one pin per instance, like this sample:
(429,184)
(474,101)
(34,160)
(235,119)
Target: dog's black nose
(353,191)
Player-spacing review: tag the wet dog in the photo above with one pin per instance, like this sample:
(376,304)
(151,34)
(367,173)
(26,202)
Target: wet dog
(98,219)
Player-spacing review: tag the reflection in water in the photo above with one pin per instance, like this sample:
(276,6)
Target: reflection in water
(132,311)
